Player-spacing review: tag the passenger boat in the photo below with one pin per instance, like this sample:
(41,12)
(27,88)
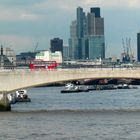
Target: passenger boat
(71,88)
(21,96)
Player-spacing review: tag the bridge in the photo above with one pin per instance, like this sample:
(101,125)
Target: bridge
(12,80)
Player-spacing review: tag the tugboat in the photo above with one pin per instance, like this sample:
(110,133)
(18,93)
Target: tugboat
(21,96)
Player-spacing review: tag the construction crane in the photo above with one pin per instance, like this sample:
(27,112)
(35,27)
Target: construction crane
(123,45)
(36,46)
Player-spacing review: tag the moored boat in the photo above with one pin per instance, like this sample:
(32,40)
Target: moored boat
(21,96)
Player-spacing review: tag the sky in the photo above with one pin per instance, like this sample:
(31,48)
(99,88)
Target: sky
(24,23)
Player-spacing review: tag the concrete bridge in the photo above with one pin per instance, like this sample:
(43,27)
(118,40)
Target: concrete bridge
(12,80)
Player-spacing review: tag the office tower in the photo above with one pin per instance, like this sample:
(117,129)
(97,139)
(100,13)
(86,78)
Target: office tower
(65,52)
(96,47)
(56,45)
(80,30)
(96,11)
(73,41)
(96,41)
(91,24)
(138,46)
(80,22)
(87,35)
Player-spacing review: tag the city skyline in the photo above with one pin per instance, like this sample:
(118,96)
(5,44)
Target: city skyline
(23,24)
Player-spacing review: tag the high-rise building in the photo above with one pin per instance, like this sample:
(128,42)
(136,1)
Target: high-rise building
(56,45)
(87,35)
(96,40)
(73,41)
(91,24)
(96,11)
(138,46)
(80,22)
(96,47)
(65,52)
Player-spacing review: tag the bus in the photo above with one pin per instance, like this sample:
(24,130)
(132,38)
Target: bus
(40,64)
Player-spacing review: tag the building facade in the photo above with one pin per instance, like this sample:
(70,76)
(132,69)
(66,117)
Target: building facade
(87,39)
(66,52)
(7,58)
(56,45)
(49,56)
(138,47)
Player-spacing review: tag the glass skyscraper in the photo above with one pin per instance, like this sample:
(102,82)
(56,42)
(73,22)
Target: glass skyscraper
(96,47)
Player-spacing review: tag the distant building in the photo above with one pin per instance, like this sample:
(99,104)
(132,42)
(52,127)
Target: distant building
(96,47)
(87,39)
(24,58)
(43,55)
(138,47)
(56,45)
(73,41)
(10,54)
(65,52)
(49,56)
(5,62)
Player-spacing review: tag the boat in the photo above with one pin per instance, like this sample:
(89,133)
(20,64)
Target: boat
(126,86)
(21,96)
(71,88)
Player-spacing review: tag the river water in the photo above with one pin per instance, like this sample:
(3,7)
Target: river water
(94,115)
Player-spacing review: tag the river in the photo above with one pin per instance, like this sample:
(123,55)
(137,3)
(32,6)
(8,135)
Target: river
(94,115)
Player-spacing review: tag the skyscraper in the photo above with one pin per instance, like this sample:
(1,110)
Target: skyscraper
(87,35)
(138,46)
(56,45)
(73,41)
(96,41)
(96,11)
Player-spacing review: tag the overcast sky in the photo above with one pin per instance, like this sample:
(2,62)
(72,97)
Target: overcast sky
(23,23)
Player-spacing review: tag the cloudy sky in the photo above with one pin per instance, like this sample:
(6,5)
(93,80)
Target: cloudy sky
(23,23)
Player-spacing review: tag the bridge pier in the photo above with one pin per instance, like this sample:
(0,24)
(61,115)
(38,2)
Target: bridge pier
(4,102)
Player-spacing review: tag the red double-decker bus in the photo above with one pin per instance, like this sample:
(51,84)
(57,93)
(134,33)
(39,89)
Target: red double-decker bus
(40,64)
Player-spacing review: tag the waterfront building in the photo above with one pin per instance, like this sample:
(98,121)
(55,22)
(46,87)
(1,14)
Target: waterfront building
(24,58)
(87,39)
(43,55)
(49,56)
(56,56)
(56,45)
(5,62)
(138,47)
(10,54)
